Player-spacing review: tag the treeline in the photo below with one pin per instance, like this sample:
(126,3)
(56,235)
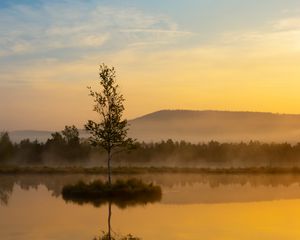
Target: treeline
(63,147)
(66,148)
(215,154)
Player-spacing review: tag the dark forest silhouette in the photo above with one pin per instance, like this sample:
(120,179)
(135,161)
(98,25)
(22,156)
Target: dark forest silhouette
(65,148)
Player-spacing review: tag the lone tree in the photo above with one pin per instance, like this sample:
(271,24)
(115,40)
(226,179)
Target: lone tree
(110,132)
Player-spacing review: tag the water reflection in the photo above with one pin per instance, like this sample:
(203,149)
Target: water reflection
(119,202)
(197,188)
(110,235)
(188,209)
(4,196)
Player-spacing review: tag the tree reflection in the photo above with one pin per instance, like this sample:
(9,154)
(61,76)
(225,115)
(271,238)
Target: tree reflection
(6,189)
(55,182)
(110,235)
(4,197)
(119,202)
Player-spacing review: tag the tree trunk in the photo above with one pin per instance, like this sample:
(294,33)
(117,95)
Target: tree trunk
(109,168)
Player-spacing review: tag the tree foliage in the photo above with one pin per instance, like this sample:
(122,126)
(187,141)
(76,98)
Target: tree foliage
(71,135)
(66,145)
(110,132)
(6,147)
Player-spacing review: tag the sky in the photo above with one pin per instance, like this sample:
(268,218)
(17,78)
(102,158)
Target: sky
(236,55)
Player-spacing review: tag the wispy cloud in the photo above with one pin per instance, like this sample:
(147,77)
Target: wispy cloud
(287,24)
(54,48)
(158,31)
(279,37)
(73,24)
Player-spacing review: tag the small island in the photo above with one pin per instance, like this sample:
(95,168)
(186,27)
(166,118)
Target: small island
(122,193)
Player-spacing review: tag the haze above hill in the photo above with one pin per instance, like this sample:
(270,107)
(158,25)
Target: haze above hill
(203,126)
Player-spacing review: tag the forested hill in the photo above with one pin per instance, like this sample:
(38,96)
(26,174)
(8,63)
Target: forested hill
(202,126)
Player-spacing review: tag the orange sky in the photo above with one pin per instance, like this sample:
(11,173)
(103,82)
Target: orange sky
(163,61)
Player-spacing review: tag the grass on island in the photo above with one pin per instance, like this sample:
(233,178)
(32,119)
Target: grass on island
(106,236)
(123,193)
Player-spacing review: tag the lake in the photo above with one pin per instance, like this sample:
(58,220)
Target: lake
(193,206)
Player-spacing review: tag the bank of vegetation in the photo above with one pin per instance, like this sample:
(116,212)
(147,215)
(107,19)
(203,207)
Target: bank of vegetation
(9,170)
(66,150)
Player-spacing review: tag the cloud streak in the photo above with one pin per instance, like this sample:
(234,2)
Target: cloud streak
(51,52)
(73,24)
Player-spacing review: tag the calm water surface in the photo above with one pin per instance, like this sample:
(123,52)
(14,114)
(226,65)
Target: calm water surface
(210,207)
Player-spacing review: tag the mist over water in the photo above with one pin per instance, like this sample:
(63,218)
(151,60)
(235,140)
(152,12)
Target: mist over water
(177,188)
(217,205)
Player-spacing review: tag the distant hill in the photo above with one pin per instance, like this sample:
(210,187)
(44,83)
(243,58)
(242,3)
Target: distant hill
(223,126)
(41,136)
(203,126)
(17,136)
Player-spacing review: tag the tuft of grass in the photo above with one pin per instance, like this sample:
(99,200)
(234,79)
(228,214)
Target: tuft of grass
(123,193)
(106,236)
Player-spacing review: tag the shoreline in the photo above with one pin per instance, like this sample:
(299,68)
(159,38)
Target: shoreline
(145,170)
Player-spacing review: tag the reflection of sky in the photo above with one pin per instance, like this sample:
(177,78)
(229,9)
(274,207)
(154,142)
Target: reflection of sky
(52,218)
(177,188)
(167,50)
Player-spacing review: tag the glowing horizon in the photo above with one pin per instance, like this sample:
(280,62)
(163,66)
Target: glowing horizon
(214,56)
